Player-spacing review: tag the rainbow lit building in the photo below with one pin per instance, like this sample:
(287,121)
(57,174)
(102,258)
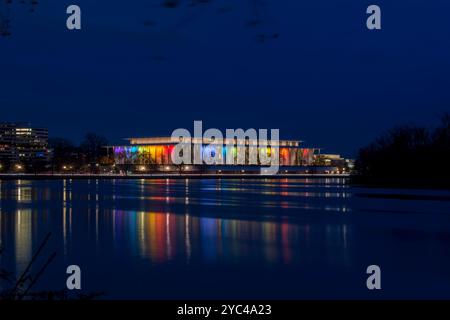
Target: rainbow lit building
(148,154)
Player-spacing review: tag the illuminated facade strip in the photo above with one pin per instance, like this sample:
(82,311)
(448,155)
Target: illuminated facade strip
(158,151)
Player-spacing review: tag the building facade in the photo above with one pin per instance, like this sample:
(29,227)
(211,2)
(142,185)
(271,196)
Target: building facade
(22,143)
(158,152)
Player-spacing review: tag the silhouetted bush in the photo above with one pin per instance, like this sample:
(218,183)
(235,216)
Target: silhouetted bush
(408,155)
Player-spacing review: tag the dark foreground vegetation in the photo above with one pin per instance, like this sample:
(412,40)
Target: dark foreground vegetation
(407,156)
(22,287)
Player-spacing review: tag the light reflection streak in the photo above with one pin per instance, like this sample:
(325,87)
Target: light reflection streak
(23,191)
(64,229)
(96,225)
(1,226)
(168,243)
(23,239)
(187,238)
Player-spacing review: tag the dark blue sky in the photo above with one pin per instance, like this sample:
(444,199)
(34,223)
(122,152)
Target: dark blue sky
(138,69)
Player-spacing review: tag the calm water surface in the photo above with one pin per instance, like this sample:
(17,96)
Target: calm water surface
(290,238)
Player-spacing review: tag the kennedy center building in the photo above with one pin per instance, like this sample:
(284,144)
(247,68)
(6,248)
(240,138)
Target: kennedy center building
(142,154)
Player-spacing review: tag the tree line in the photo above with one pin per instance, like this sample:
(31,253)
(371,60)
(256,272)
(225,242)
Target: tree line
(408,155)
(89,154)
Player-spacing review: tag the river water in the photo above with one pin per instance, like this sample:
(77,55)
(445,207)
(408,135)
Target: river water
(228,238)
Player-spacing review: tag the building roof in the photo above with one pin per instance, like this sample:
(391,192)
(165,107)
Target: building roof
(169,140)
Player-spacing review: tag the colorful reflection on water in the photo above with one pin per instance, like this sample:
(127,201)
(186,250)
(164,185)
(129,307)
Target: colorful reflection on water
(287,232)
(165,237)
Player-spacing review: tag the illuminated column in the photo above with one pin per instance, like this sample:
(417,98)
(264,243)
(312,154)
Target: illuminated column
(293,156)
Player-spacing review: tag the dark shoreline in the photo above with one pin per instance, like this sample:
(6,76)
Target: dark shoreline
(397,183)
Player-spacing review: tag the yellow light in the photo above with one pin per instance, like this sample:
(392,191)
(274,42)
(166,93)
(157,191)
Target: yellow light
(167,168)
(64,167)
(142,168)
(187,168)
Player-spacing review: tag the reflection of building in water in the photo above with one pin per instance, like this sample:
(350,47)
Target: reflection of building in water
(156,236)
(1,227)
(163,237)
(67,213)
(337,238)
(24,191)
(23,238)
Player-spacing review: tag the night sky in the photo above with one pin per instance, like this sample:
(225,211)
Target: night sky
(139,69)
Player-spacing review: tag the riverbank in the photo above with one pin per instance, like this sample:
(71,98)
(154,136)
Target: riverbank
(25,176)
(412,182)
